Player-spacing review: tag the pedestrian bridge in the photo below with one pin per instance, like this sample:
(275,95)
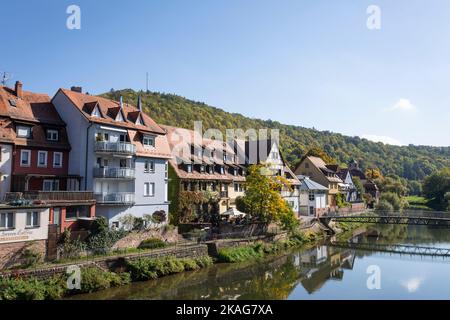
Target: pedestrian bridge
(432,218)
(395,248)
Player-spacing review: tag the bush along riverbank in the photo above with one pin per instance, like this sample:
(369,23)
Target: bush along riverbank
(262,249)
(94,279)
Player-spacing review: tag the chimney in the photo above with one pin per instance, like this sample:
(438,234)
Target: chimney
(77,89)
(139,103)
(19,92)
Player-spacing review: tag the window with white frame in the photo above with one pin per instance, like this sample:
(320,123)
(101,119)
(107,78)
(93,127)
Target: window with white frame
(50,185)
(312,196)
(149,189)
(52,135)
(57,159)
(25,158)
(167,169)
(42,158)
(23,131)
(149,166)
(33,219)
(148,141)
(7,220)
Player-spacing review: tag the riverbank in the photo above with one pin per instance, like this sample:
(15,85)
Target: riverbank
(97,276)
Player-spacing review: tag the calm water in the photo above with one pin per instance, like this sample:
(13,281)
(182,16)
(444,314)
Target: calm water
(322,272)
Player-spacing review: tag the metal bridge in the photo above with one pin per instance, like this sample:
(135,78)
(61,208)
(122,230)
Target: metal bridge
(440,219)
(395,248)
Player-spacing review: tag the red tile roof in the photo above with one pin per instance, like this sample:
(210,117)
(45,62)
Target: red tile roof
(35,110)
(109,110)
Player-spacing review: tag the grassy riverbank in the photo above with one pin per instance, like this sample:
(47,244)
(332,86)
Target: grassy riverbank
(94,279)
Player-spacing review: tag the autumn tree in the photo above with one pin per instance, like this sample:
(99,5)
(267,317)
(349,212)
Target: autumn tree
(373,173)
(262,198)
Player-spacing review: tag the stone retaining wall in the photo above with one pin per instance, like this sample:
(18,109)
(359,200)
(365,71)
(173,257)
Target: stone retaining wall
(109,263)
(11,254)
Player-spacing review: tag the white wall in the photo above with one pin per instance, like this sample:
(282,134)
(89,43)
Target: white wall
(5,169)
(21,233)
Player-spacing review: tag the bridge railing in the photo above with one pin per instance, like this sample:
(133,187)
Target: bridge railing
(405,213)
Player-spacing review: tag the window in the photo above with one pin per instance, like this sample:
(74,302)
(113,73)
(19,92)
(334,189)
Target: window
(189,168)
(222,170)
(148,141)
(25,158)
(76,212)
(52,135)
(149,189)
(123,163)
(149,166)
(33,219)
(7,220)
(202,168)
(23,132)
(42,158)
(139,121)
(235,172)
(312,196)
(57,159)
(50,185)
(236,187)
(12,103)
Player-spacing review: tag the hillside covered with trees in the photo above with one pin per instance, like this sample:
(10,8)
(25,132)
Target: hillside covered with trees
(409,162)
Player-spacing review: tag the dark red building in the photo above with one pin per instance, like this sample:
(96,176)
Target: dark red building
(39,161)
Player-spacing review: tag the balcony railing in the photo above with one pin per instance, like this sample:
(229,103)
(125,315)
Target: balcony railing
(115,147)
(115,198)
(50,196)
(114,173)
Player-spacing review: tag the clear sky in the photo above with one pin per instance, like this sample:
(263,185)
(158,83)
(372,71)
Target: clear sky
(308,63)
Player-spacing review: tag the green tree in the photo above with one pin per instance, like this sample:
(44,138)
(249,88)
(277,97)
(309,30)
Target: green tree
(262,198)
(437,185)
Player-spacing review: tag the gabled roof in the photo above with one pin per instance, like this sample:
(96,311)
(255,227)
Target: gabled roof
(31,107)
(310,185)
(34,110)
(109,110)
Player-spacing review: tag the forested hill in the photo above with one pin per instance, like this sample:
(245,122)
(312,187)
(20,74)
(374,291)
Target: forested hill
(411,162)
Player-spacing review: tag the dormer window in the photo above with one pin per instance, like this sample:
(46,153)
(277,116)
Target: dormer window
(210,169)
(119,116)
(235,171)
(202,168)
(139,121)
(12,103)
(148,141)
(189,168)
(52,135)
(222,170)
(96,112)
(23,131)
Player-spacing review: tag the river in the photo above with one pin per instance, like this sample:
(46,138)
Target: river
(325,271)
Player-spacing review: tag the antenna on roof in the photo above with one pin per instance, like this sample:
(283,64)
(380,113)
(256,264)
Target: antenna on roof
(5,77)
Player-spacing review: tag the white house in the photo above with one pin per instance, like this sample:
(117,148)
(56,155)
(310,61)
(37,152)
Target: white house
(313,197)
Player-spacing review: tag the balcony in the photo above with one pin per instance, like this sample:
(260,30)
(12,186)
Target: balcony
(118,198)
(115,147)
(52,196)
(114,173)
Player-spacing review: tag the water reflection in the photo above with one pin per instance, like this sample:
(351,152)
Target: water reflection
(324,272)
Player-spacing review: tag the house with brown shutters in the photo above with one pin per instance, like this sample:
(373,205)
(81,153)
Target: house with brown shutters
(121,153)
(205,168)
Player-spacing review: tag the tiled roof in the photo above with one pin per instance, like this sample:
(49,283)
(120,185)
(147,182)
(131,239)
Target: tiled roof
(180,139)
(31,107)
(161,149)
(35,110)
(109,110)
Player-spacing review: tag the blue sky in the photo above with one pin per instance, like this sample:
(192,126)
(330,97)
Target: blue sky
(308,63)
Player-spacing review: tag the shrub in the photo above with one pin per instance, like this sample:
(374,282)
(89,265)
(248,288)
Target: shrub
(190,264)
(152,243)
(138,224)
(204,261)
(32,289)
(238,254)
(30,258)
(384,205)
(94,279)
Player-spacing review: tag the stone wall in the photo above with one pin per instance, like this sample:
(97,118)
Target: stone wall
(11,254)
(134,239)
(110,263)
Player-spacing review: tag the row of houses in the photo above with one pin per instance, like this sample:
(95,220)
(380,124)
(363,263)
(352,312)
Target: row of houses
(67,159)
